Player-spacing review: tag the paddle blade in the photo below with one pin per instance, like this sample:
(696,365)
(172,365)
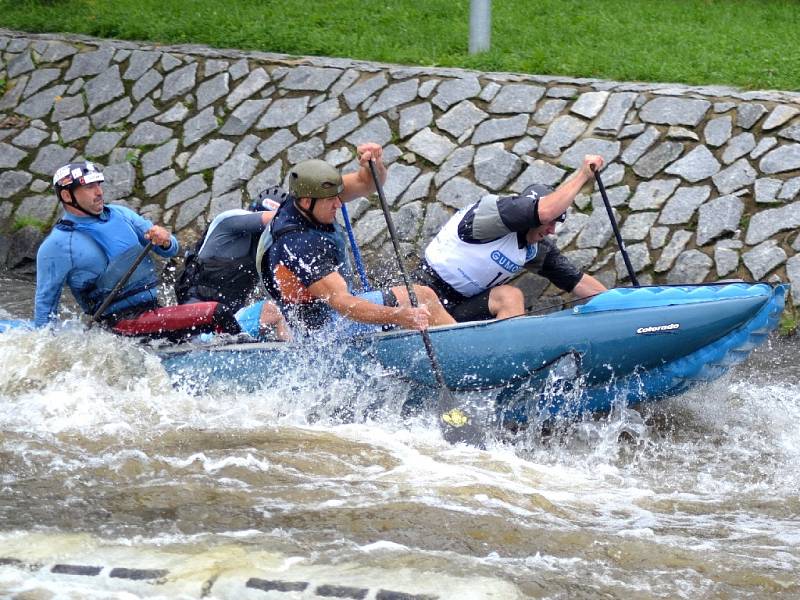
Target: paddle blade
(460,422)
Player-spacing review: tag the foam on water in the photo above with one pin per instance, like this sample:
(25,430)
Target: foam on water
(704,487)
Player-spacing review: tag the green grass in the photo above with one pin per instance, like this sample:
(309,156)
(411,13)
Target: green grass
(789,323)
(747,43)
(21,222)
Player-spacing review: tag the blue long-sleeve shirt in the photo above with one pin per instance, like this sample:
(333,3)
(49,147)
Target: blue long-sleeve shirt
(79,254)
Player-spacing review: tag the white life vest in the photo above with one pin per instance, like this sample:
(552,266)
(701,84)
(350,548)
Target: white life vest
(474,268)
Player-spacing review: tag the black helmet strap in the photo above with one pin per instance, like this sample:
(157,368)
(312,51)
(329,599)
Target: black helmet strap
(309,214)
(74,204)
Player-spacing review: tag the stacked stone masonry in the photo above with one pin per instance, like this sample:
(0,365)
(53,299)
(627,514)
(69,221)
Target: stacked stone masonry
(704,180)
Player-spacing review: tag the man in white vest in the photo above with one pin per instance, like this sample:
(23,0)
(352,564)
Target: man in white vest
(487,243)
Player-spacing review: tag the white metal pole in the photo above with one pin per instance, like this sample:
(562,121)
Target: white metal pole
(480,25)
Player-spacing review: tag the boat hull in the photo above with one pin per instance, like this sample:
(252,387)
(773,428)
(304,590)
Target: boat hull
(627,345)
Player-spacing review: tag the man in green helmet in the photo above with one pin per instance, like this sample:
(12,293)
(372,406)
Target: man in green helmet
(303,258)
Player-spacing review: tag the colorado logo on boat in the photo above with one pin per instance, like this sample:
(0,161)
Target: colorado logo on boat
(505,262)
(659,328)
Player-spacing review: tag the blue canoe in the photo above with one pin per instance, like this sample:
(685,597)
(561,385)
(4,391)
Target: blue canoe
(627,345)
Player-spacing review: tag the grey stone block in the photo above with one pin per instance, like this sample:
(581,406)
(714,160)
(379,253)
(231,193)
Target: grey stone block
(145,110)
(691,266)
(681,207)
(674,111)
(184,190)
(453,91)
(338,128)
(284,112)
(718,131)
(613,116)
(395,95)
(86,64)
(657,158)
(652,194)
(30,138)
(561,133)
(783,158)
(157,183)
(500,129)
(74,129)
(199,126)
(104,88)
(67,107)
(38,105)
(179,82)
(573,158)
(399,177)
(275,144)
(139,62)
(769,222)
(459,193)
(414,118)
(113,113)
(540,172)
(695,166)
(548,111)
(159,158)
(209,155)
(12,182)
(318,118)
(233,173)
(589,104)
(212,90)
(39,79)
(431,146)
(740,174)
(377,130)
(310,78)
(191,210)
(779,116)
(516,98)
(494,166)
(255,82)
(50,158)
(312,148)
(149,134)
(119,183)
(146,84)
(363,90)
(717,217)
(764,258)
(637,225)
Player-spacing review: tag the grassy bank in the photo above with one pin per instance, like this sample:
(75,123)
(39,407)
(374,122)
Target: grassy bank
(747,43)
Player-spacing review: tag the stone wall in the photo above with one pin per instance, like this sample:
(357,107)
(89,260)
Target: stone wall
(703,179)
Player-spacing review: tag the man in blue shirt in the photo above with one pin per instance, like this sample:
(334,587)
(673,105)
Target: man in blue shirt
(92,246)
(303,260)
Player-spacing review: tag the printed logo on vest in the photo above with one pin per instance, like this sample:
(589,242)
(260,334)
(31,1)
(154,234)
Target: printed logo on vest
(504,262)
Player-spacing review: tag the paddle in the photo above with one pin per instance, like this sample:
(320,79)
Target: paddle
(615,227)
(362,274)
(123,280)
(457,424)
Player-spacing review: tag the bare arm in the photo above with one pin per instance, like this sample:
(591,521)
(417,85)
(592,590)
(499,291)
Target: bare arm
(552,205)
(588,286)
(333,290)
(267,216)
(360,183)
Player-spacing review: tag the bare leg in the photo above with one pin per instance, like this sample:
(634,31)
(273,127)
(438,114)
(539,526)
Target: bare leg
(271,317)
(426,297)
(506,301)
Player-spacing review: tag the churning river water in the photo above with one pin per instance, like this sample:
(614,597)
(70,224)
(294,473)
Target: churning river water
(117,483)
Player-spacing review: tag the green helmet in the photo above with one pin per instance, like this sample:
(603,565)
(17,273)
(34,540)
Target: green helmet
(315,179)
